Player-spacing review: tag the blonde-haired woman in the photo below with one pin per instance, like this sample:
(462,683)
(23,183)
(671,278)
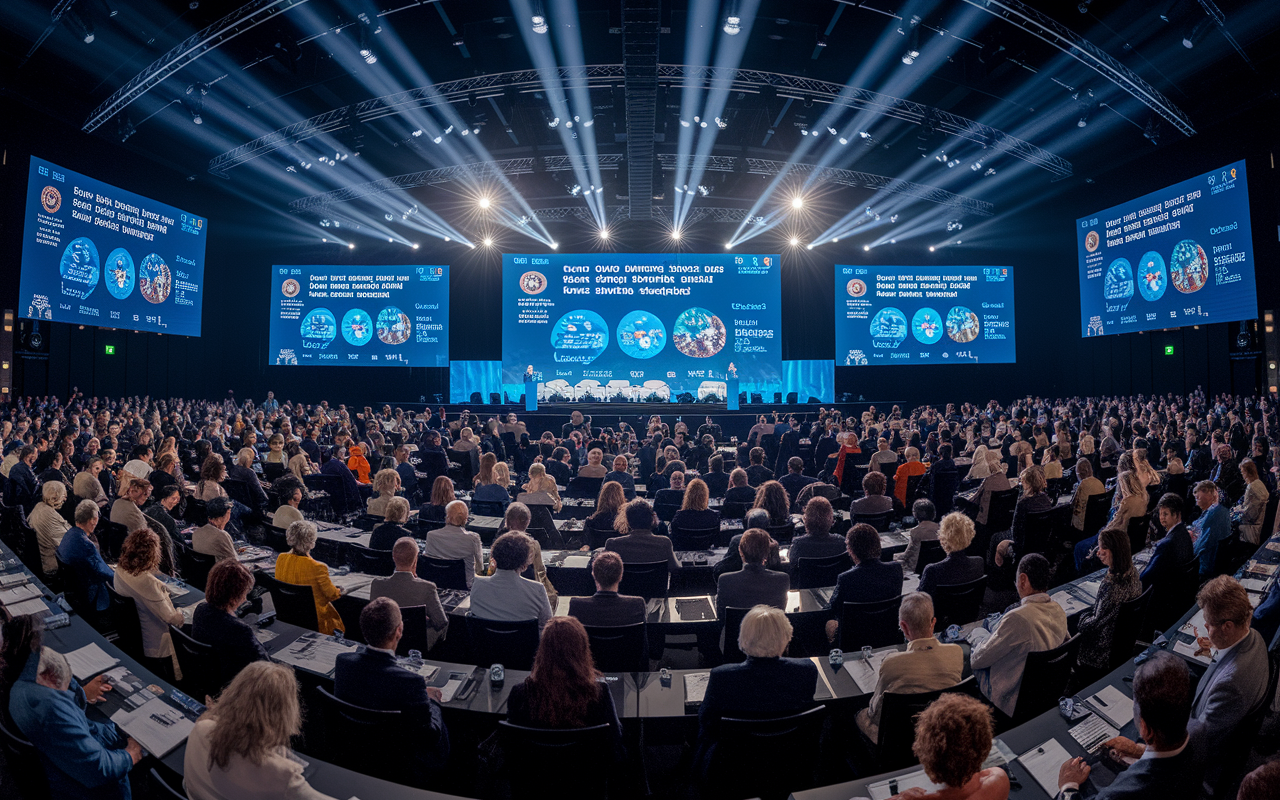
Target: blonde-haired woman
(49,524)
(386,483)
(541,489)
(955,534)
(300,569)
(239,749)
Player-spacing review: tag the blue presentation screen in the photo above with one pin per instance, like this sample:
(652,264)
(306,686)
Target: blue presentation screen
(93,254)
(634,318)
(360,316)
(1192,237)
(924,315)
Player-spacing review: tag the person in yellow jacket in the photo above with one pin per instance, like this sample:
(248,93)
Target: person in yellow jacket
(299,568)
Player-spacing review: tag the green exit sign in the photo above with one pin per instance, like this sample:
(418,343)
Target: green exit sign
(1168,349)
(111,350)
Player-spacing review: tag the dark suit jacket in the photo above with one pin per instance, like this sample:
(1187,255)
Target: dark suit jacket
(384,536)
(868,582)
(639,547)
(607,609)
(624,479)
(756,688)
(434,463)
(1170,554)
(740,494)
(693,520)
(758,474)
(560,471)
(717,483)
(1266,617)
(954,569)
(794,482)
(1152,777)
(238,473)
(751,586)
(648,456)
(234,645)
(21,488)
(371,678)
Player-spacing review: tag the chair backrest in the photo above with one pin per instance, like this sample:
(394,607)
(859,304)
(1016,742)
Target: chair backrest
(1044,678)
(732,627)
(647,579)
(111,536)
(367,522)
(272,470)
(959,603)
(814,573)
(1000,509)
(666,508)
(580,486)
(620,648)
(878,521)
(238,490)
(734,510)
(125,621)
(694,538)
(74,588)
(197,513)
(415,630)
(1096,511)
(898,714)
(194,566)
(542,526)
(1129,625)
(445,573)
(791,741)
(590,750)
(294,604)
(366,739)
(1037,529)
(274,538)
(161,790)
(870,624)
(931,552)
(370,561)
(23,763)
(784,533)
(488,508)
(197,661)
(1138,528)
(913,488)
(512,644)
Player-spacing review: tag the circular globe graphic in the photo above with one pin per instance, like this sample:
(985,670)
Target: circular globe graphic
(1153,279)
(579,337)
(926,326)
(357,327)
(394,326)
(888,328)
(699,333)
(641,335)
(79,268)
(318,328)
(1188,267)
(120,274)
(962,325)
(1119,281)
(155,281)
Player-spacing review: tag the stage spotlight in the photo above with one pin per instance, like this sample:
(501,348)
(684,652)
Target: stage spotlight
(415,246)
(539,23)
(797,202)
(835,239)
(795,240)
(931,248)
(575,190)
(866,248)
(728,245)
(484,202)
(351,245)
(684,124)
(389,217)
(733,25)
(488,242)
(553,122)
(390,240)
(721,124)
(843,140)
(675,234)
(555,246)
(447,239)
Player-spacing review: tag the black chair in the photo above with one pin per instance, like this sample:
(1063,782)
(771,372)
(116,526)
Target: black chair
(272,470)
(790,741)
(416,624)
(619,648)
(666,511)
(959,603)
(815,573)
(274,538)
(1129,625)
(870,624)
(74,591)
(1138,528)
(239,491)
(512,644)
(1000,508)
(194,566)
(1174,595)
(197,513)
(913,488)
(542,527)
(123,613)
(647,579)
(732,626)
(694,538)
(445,573)
(1044,678)
(734,510)
(370,561)
(784,533)
(23,763)
(898,714)
(590,750)
(931,552)
(878,521)
(488,508)
(583,487)
(1036,530)
(598,530)
(1096,511)
(161,790)
(294,604)
(367,740)
(197,661)
(111,536)
(349,607)
(367,522)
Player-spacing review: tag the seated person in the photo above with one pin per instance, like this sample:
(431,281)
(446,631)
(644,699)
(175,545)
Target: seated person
(1097,624)
(358,464)
(239,749)
(693,513)
(732,561)
(716,478)
(594,467)
(739,490)
(541,489)
(386,534)
(81,758)
(1210,529)
(517,520)
(300,569)
(757,472)
(506,595)
(212,538)
(883,459)
(870,580)
(873,500)
(908,470)
(953,740)
(1171,552)
(996,481)
(288,513)
(442,494)
(453,541)
(242,470)
(765,685)
(795,479)
(1035,625)
(371,678)
(955,533)
(386,483)
(46,520)
(498,491)
(163,501)
(1170,762)
(927,665)
(606,607)
(408,590)
(621,474)
(215,623)
(90,574)
(638,543)
(818,541)
(926,530)
(136,579)
(599,526)
(558,467)
(754,584)
(673,495)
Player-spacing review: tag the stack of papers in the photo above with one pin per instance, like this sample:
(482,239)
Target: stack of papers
(576,561)
(1112,705)
(314,652)
(34,606)
(158,726)
(12,579)
(89,661)
(866,673)
(427,671)
(1260,568)
(695,686)
(1092,733)
(1043,763)
(18,593)
(1255,584)
(1069,603)
(1192,650)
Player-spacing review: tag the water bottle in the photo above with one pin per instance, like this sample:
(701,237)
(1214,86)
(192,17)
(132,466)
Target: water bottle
(415,658)
(836,658)
(866,653)
(497,676)
(953,633)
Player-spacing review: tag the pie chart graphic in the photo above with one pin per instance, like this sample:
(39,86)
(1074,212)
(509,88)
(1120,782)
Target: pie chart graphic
(1153,279)
(120,274)
(926,326)
(1119,281)
(357,327)
(319,327)
(79,268)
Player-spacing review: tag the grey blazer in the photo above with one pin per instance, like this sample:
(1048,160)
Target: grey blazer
(1232,687)
(752,585)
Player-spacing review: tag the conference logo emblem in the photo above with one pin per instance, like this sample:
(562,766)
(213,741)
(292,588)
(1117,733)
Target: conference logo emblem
(533,282)
(290,288)
(51,199)
(856,287)
(1091,241)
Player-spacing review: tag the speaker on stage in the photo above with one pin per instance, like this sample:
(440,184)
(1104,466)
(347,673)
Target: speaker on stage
(793,398)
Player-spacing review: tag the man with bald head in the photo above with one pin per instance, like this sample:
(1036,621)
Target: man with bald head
(454,542)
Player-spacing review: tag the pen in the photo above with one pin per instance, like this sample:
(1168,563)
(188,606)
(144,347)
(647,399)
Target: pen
(1098,699)
(466,685)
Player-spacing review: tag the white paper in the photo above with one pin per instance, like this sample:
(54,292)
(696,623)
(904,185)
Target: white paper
(315,652)
(695,686)
(1043,763)
(34,606)
(450,688)
(1112,705)
(176,590)
(13,579)
(1189,649)
(1069,603)
(158,726)
(865,674)
(18,593)
(576,561)
(427,671)
(1195,625)
(1092,732)
(351,582)
(89,661)
(1090,588)
(1255,584)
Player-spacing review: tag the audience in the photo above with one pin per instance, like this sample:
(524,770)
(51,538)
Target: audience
(79,551)
(818,541)
(873,500)
(47,521)
(739,491)
(925,530)
(753,585)
(408,590)
(517,520)
(288,512)
(1210,529)
(300,569)
(212,538)
(506,595)
(599,527)
(396,514)
(953,740)
(638,544)
(386,483)
(694,514)
(1096,625)
(453,542)
(135,578)
(606,607)
(1087,487)
(955,533)
(216,623)
(1174,549)
(869,580)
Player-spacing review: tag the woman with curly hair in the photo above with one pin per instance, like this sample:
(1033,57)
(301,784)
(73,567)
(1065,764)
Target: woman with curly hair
(773,498)
(953,739)
(135,578)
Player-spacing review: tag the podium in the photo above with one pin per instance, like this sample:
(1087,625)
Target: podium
(731,389)
(530,395)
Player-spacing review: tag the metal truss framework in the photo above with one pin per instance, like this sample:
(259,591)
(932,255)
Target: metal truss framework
(670,75)
(879,183)
(245,18)
(1081,49)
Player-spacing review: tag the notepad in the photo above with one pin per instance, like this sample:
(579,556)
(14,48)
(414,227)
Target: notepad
(695,686)
(18,593)
(35,606)
(1260,568)
(1043,763)
(1069,603)
(1112,705)
(1092,732)
(158,726)
(1255,584)
(12,579)
(89,661)
(695,609)
(315,652)
(866,673)
(576,561)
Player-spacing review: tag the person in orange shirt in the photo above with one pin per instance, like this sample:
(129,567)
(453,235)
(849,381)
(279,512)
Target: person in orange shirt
(358,464)
(912,466)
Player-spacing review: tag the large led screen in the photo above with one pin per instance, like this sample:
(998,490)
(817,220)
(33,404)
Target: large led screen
(924,315)
(95,254)
(1179,256)
(639,324)
(360,316)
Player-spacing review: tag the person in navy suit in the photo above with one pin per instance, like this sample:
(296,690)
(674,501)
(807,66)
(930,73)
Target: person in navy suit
(1173,551)
(606,607)
(371,678)
(795,479)
(717,479)
(622,476)
(234,644)
(765,685)
(79,551)
(870,580)
(1169,762)
(955,533)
